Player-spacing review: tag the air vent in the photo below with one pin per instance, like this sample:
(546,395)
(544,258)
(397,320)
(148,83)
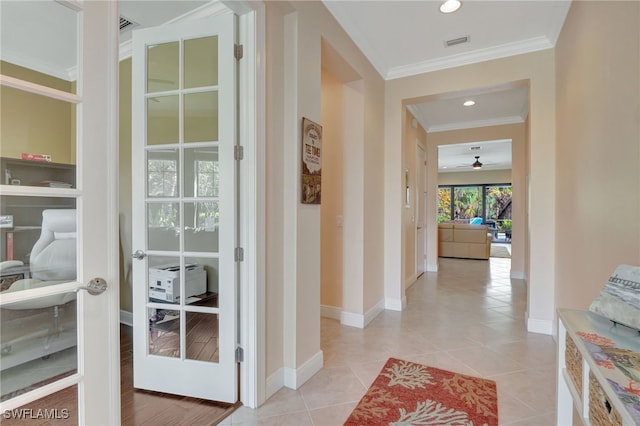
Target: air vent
(126,24)
(455,41)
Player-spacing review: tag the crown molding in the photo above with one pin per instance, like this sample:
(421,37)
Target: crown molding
(413,109)
(509,49)
(516,119)
(205,11)
(17,58)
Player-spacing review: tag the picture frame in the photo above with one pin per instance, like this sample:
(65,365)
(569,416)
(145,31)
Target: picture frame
(311,173)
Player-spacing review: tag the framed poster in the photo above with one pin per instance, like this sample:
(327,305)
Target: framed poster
(311,162)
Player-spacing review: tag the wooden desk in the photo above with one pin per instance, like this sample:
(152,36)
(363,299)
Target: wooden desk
(598,370)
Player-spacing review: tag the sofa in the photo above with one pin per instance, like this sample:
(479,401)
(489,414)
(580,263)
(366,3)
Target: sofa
(464,240)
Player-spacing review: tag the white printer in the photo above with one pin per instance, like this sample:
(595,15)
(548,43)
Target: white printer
(164,282)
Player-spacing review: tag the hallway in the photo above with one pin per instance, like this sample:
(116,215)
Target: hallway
(468,317)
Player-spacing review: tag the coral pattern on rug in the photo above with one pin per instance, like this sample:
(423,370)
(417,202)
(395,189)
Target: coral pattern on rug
(406,393)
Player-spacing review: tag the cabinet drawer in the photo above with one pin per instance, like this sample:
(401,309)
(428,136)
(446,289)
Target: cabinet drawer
(573,360)
(601,411)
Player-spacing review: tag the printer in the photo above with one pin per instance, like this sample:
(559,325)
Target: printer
(164,282)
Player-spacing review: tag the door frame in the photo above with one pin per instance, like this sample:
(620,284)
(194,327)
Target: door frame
(421,206)
(252,131)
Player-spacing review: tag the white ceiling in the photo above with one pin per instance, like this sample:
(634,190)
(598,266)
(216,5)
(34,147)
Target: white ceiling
(400,38)
(494,155)
(404,38)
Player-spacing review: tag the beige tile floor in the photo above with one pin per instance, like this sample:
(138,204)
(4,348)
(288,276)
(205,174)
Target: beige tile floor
(468,317)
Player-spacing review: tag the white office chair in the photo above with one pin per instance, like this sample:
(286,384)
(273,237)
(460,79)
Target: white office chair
(52,260)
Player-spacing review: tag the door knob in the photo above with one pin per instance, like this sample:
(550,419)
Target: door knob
(139,255)
(95,287)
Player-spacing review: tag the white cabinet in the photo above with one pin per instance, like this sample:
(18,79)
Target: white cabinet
(598,370)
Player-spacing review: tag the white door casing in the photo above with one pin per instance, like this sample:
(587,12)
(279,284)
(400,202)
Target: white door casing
(98,367)
(208,243)
(421,210)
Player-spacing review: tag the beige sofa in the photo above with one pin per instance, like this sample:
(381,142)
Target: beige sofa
(464,241)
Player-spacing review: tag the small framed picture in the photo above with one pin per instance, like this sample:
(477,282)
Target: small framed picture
(311,162)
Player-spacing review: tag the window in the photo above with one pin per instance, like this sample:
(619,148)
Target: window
(462,202)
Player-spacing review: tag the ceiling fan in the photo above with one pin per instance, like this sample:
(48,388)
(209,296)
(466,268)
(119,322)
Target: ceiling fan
(477,164)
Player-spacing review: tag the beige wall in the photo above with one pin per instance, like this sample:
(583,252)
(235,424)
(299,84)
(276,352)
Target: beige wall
(598,136)
(296,32)
(515,132)
(535,70)
(332,194)
(33,123)
(475,177)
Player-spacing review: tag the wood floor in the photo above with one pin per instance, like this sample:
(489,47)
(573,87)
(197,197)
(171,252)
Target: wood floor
(138,407)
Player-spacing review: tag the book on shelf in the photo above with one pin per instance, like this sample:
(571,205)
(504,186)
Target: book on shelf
(36,157)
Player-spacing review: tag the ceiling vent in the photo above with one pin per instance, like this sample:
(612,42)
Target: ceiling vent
(126,24)
(454,41)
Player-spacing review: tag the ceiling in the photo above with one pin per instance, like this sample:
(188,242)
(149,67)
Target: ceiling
(400,38)
(404,38)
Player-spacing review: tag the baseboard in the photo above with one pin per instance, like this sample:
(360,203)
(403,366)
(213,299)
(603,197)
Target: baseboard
(275,382)
(296,377)
(126,318)
(432,268)
(517,275)
(395,304)
(332,312)
(359,320)
(540,326)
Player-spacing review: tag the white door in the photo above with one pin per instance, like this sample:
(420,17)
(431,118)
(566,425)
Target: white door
(421,210)
(59,225)
(184,209)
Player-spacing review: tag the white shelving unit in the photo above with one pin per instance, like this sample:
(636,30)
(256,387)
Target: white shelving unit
(573,391)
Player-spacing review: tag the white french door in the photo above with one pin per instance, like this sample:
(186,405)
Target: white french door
(61,87)
(184,208)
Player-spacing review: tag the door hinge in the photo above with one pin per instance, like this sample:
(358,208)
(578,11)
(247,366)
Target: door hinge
(239,354)
(238,152)
(239,254)
(238,51)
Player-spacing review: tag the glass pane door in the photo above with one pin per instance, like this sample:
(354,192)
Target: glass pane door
(184,295)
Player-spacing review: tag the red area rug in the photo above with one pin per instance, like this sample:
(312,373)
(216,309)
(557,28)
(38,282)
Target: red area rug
(406,393)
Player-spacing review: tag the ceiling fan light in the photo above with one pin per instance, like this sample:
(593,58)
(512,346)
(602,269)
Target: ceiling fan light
(477,164)
(450,6)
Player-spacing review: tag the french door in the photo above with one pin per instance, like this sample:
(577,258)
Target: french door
(59,216)
(184,208)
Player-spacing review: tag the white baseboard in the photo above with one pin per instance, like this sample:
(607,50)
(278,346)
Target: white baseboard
(540,326)
(275,382)
(432,268)
(395,304)
(126,318)
(360,320)
(517,275)
(296,377)
(332,312)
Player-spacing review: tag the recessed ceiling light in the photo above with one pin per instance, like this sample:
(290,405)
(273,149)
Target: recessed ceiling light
(450,6)
(469,103)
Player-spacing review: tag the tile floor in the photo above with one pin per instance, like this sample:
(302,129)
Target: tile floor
(468,317)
